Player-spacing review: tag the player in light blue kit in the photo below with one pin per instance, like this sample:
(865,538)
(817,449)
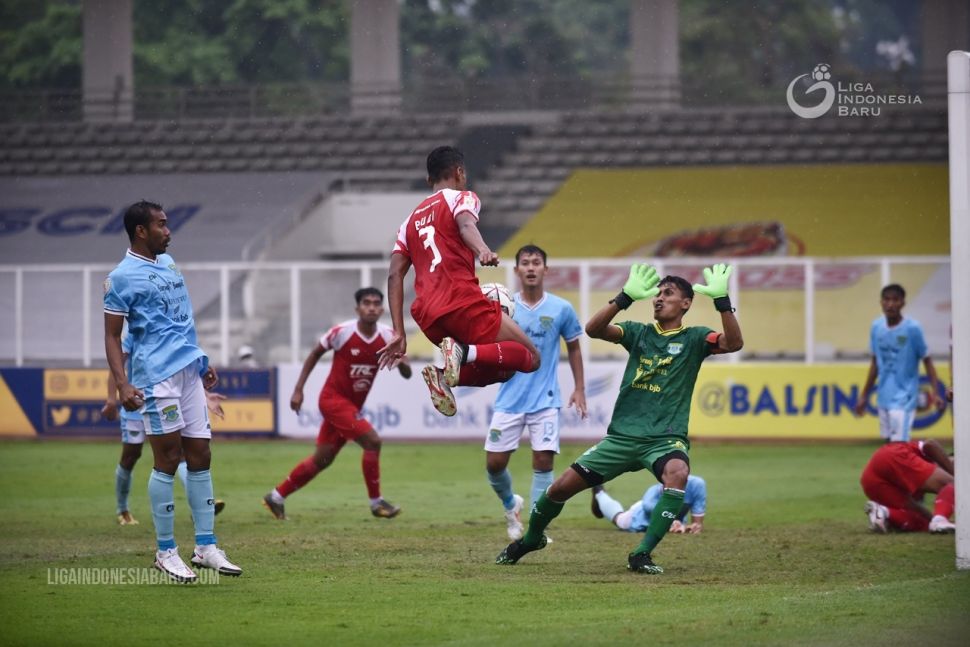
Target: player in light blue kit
(897,346)
(133,438)
(530,402)
(169,373)
(636,518)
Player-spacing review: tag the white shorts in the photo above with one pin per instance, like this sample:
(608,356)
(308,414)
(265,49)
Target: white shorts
(507,428)
(177,404)
(896,424)
(132,431)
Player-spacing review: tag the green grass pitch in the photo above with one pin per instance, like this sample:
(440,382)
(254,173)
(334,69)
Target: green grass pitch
(786,557)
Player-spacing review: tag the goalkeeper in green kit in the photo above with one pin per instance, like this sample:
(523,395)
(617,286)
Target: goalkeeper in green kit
(648,429)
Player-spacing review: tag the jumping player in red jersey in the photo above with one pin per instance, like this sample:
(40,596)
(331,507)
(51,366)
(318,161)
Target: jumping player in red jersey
(895,479)
(354,344)
(481,344)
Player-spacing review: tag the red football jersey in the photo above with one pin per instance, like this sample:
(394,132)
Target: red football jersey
(444,268)
(354,361)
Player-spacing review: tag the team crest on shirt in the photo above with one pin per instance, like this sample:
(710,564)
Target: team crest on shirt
(546,323)
(355,352)
(175,269)
(171,413)
(901,340)
(675,347)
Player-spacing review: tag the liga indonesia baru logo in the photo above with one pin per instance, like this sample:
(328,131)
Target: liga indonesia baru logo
(854,99)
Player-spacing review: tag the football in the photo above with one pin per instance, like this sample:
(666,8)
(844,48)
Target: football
(500,293)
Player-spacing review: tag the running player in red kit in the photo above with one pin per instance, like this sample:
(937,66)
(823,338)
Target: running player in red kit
(895,479)
(354,344)
(481,344)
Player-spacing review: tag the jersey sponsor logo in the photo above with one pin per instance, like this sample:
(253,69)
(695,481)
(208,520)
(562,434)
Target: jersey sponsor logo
(171,413)
(675,348)
(362,385)
(362,370)
(355,352)
(667,514)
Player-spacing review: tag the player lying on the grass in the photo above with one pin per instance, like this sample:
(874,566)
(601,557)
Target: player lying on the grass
(169,375)
(481,345)
(895,480)
(648,429)
(636,518)
(354,344)
(132,441)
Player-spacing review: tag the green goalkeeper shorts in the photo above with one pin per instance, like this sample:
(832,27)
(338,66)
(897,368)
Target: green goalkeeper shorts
(615,455)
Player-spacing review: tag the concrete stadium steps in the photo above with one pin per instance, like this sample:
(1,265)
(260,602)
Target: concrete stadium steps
(231,145)
(550,152)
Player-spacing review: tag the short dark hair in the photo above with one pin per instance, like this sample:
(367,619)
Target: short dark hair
(139,213)
(893,287)
(368,292)
(530,249)
(443,161)
(680,283)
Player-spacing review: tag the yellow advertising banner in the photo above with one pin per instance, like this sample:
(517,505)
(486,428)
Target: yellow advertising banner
(797,401)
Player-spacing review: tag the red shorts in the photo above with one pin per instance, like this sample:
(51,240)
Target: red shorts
(895,472)
(342,421)
(476,323)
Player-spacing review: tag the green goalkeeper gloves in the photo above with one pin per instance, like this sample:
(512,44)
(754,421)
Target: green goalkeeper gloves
(642,284)
(717,286)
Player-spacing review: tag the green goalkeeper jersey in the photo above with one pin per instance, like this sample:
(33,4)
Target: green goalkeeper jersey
(658,382)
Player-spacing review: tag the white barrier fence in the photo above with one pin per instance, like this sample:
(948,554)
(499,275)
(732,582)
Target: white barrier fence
(805,309)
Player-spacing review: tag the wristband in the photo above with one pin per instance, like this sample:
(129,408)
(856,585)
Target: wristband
(622,300)
(723,304)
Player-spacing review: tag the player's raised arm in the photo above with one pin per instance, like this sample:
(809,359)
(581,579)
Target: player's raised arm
(641,284)
(717,277)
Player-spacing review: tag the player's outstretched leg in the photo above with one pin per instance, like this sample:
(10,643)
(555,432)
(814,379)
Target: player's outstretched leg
(517,550)
(663,514)
(441,396)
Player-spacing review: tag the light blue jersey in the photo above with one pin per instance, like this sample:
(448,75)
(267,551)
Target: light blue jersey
(898,351)
(152,296)
(544,323)
(695,498)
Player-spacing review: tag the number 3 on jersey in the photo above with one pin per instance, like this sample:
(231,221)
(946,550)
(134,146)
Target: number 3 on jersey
(427,233)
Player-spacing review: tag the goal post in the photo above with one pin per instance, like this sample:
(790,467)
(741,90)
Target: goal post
(958,100)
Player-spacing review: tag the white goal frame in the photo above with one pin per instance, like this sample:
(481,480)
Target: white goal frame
(958,89)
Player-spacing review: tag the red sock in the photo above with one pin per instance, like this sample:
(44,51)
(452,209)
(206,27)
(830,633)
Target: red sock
(944,501)
(907,520)
(370,464)
(302,474)
(478,375)
(507,355)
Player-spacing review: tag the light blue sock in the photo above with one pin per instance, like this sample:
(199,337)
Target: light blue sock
(122,487)
(609,506)
(540,483)
(198,488)
(502,484)
(181,472)
(162,499)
